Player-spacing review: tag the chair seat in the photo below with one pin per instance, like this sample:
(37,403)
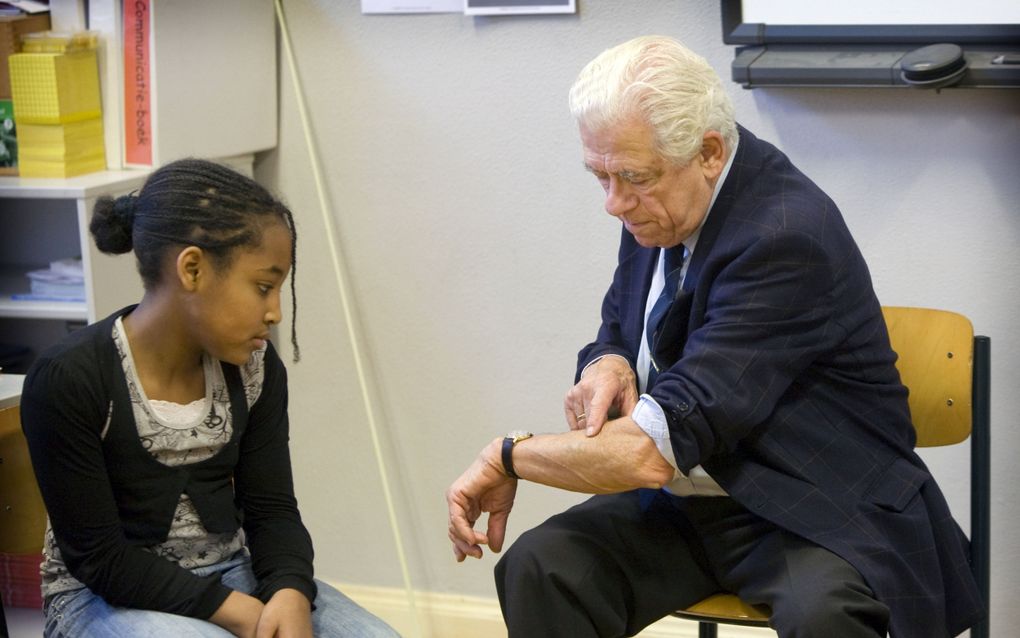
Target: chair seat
(727,608)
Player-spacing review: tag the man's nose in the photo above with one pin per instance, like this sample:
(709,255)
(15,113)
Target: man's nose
(619,197)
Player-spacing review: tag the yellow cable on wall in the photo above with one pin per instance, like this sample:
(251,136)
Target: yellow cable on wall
(345,300)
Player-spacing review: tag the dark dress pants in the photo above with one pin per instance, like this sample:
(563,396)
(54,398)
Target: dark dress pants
(616,563)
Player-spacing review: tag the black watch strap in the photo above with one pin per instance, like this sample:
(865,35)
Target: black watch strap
(509,441)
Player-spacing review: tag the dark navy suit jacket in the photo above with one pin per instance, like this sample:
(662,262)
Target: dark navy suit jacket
(782,385)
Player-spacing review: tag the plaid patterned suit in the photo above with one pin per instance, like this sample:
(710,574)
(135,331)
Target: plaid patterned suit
(782,386)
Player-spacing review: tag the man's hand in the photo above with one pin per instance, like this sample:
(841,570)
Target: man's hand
(483,487)
(288,614)
(607,390)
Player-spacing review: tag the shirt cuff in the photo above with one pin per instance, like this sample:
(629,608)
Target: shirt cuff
(649,416)
(600,358)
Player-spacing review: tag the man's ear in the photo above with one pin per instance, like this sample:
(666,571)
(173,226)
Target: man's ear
(713,154)
(190,266)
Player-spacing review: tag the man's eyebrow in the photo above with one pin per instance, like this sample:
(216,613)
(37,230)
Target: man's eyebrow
(276,270)
(624,174)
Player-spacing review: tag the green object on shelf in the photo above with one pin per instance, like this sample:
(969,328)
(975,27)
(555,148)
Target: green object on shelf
(8,135)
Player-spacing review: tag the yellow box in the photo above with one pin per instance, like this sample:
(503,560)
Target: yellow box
(35,168)
(59,154)
(71,136)
(61,150)
(55,88)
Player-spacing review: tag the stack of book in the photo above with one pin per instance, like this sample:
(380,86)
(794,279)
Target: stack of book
(64,280)
(55,90)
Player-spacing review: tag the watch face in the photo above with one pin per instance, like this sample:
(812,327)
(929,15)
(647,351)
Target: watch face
(518,435)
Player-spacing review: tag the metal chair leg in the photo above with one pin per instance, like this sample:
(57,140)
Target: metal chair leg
(708,630)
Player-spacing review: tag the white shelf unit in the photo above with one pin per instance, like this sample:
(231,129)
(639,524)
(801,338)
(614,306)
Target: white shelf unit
(42,220)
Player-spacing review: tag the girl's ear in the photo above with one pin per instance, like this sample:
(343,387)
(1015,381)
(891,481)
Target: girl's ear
(190,265)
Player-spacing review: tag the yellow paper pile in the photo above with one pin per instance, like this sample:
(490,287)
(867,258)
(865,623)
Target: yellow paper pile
(55,89)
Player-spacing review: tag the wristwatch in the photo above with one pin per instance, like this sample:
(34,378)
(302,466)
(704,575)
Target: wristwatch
(509,441)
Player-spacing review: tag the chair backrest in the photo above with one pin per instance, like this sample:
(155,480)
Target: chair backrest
(948,372)
(936,358)
(22,513)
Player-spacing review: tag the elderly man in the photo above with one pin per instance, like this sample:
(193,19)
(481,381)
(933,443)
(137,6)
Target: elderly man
(739,415)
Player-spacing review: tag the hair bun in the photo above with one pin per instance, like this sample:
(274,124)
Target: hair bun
(112,223)
(124,209)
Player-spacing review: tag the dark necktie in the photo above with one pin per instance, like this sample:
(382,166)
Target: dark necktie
(673,266)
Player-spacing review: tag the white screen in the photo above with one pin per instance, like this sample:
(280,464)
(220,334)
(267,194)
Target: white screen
(875,12)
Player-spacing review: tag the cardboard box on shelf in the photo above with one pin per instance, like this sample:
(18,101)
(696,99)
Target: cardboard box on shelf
(55,88)
(11,30)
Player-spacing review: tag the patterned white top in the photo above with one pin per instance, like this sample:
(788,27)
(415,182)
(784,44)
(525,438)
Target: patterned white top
(174,434)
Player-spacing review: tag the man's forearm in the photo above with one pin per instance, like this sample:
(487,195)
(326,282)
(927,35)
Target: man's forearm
(622,457)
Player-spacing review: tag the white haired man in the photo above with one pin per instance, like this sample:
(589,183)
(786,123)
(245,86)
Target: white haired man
(739,415)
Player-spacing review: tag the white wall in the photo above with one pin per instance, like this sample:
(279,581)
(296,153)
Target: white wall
(478,252)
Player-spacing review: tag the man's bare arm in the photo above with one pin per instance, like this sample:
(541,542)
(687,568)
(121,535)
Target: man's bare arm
(622,457)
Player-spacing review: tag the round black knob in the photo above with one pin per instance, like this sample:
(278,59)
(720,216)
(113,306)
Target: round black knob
(933,66)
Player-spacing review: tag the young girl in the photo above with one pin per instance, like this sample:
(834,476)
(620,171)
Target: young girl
(159,434)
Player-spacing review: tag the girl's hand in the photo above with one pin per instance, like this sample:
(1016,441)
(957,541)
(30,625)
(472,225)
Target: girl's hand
(239,614)
(288,614)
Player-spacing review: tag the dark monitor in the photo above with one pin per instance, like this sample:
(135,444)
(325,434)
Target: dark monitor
(812,52)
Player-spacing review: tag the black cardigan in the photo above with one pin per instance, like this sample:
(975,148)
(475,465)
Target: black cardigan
(107,498)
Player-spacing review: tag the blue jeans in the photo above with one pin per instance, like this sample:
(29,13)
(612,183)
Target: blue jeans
(80,613)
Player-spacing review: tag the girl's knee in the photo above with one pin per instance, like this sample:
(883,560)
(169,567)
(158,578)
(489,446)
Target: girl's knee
(336,614)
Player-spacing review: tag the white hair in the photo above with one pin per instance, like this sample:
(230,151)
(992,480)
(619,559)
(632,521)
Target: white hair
(671,88)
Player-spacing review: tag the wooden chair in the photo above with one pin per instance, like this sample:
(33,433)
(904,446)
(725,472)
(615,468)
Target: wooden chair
(947,371)
(22,513)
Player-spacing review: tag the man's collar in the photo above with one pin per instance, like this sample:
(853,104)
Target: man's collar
(692,241)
